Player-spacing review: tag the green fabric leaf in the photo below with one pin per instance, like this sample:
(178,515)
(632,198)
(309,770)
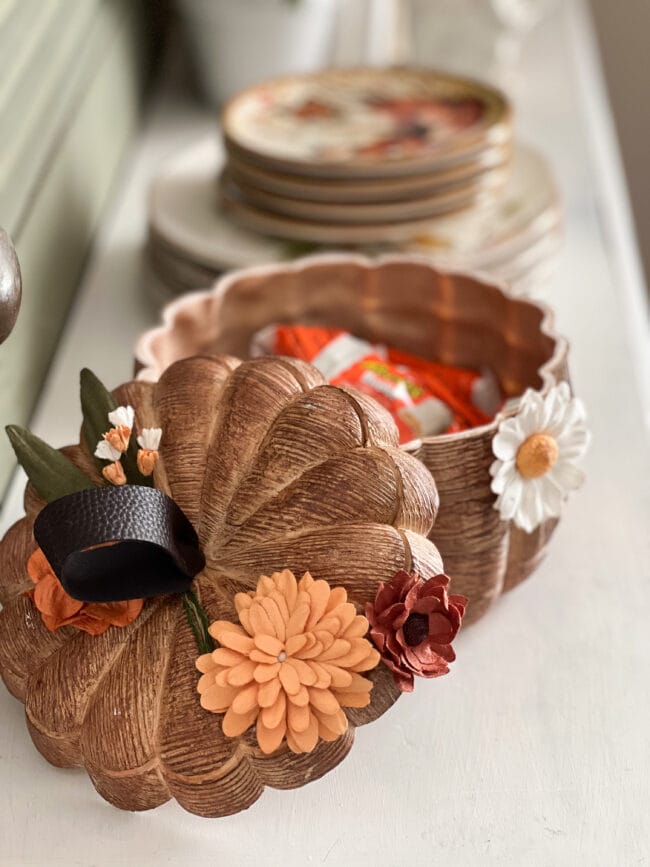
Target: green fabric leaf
(198,620)
(96,403)
(51,473)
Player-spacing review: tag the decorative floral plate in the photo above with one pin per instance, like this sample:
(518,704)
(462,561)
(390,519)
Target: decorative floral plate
(365,122)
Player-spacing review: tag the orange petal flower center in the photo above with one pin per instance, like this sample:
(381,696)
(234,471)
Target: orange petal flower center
(537,455)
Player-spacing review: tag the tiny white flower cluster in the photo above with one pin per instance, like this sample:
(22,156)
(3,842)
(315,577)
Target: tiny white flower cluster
(115,443)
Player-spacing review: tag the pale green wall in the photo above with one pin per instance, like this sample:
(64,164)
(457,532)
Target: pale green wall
(72,155)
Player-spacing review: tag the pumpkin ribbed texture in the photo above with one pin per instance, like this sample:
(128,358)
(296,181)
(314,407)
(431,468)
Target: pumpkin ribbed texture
(276,470)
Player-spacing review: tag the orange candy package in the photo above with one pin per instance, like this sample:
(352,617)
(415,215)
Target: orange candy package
(424,397)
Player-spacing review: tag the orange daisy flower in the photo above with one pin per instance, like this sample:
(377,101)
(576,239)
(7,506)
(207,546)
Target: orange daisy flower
(291,666)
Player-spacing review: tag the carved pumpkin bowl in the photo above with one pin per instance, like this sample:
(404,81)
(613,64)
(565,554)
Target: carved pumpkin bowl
(405,302)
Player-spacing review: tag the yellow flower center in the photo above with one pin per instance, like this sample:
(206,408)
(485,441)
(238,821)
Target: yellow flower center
(537,455)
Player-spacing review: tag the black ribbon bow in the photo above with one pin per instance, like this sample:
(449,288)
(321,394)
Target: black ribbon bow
(118,543)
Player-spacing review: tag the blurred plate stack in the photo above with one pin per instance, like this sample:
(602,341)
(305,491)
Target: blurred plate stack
(378,161)
(515,237)
(361,155)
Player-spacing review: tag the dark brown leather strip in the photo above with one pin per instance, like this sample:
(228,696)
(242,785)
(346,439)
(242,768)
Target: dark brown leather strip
(155,548)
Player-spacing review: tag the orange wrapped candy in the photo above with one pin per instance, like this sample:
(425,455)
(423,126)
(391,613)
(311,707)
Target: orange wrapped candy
(424,397)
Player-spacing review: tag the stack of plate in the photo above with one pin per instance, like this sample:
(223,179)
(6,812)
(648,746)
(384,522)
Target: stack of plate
(363,155)
(514,236)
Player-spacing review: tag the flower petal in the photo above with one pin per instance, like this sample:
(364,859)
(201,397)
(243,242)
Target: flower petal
(337,723)
(503,477)
(289,678)
(149,438)
(246,699)
(301,697)
(298,717)
(339,648)
(227,657)
(338,595)
(204,663)
(264,673)
(305,672)
(122,416)
(298,619)
(286,583)
(353,699)
(269,644)
(553,497)
(323,700)
(357,629)
(509,501)
(106,452)
(573,442)
(241,674)
(530,511)
(567,475)
(340,677)
(238,641)
(506,443)
(275,615)
(235,724)
(257,656)
(319,593)
(267,692)
(306,739)
(295,644)
(260,621)
(273,715)
(218,698)
(324,677)
(529,417)
(270,739)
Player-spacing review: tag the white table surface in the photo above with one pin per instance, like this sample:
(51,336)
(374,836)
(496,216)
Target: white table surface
(535,749)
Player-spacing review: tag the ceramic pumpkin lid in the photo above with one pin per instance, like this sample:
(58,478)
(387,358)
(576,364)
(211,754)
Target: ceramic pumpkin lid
(200,599)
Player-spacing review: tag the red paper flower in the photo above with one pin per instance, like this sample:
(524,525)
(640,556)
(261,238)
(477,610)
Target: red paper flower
(412,624)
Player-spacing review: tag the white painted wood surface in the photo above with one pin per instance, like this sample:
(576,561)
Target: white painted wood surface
(535,749)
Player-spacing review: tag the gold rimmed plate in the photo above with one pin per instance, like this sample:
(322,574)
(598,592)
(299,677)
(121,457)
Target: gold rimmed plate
(448,200)
(368,190)
(322,232)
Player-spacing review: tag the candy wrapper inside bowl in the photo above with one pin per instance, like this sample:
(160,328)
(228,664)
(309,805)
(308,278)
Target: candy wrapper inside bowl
(424,397)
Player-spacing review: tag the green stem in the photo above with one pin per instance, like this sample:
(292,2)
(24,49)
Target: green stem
(198,620)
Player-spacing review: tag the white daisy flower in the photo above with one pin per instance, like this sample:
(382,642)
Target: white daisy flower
(123,416)
(535,452)
(106,452)
(150,438)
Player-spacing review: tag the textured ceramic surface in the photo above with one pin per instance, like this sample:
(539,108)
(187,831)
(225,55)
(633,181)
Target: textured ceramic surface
(275,469)
(405,302)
